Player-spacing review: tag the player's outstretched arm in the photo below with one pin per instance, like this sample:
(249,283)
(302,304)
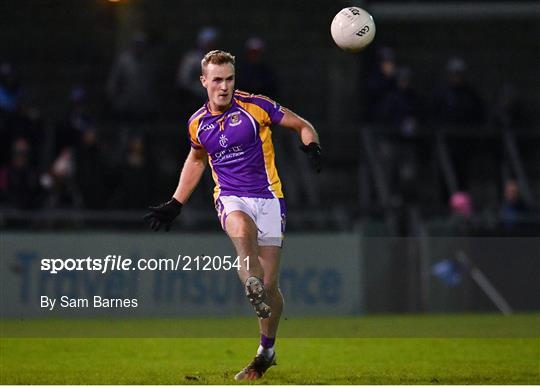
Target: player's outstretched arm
(305,130)
(308,135)
(191,174)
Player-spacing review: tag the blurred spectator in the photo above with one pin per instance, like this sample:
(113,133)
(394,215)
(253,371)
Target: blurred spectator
(513,206)
(461,211)
(131,87)
(401,106)
(22,180)
(254,74)
(27,123)
(134,181)
(381,82)
(188,75)
(508,110)
(90,170)
(10,90)
(77,119)
(78,176)
(60,182)
(457,102)
(62,178)
(18,119)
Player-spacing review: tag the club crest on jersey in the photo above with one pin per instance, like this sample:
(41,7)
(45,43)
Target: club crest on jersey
(234,119)
(223,141)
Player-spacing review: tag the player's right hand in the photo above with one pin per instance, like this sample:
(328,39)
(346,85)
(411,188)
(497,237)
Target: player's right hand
(163,214)
(313,151)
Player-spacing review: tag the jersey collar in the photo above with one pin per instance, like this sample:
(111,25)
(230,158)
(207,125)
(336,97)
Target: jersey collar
(213,113)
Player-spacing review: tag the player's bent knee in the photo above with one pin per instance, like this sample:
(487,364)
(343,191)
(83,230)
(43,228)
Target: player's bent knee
(239,225)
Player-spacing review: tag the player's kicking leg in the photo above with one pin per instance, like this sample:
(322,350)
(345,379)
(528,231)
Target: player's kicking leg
(269,258)
(243,233)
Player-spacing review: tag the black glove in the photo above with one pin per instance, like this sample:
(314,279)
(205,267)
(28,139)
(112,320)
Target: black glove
(163,214)
(313,151)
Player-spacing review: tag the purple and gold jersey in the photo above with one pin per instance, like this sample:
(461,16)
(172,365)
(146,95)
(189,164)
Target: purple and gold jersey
(239,145)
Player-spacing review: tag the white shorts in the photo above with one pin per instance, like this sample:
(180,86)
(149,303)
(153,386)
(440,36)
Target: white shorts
(269,216)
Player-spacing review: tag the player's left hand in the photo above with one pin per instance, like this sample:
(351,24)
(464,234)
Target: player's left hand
(313,151)
(163,214)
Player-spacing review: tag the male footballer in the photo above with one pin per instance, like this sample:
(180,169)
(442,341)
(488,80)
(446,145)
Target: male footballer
(232,133)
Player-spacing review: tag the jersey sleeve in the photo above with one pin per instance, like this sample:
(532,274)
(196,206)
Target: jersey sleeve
(273,109)
(193,128)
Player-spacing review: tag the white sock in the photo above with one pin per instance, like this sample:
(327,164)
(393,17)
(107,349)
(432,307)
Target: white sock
(266,352)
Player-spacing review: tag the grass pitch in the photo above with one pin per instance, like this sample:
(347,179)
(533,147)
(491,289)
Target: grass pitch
(484,359)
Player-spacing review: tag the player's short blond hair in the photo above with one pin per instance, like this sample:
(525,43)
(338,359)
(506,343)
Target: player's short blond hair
(217,57)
